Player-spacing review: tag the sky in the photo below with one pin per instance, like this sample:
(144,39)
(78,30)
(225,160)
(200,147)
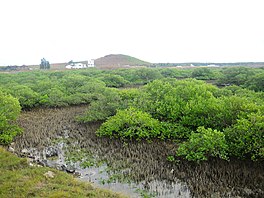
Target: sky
(151,30)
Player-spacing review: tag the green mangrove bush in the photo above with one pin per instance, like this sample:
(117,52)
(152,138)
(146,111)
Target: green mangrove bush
(130,123)
(203,144)
(208,119)
(246,137)
(164,107)
(9,111)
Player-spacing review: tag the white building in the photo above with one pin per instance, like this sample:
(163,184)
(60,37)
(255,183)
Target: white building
(80,65)
(90,63)
(212,65)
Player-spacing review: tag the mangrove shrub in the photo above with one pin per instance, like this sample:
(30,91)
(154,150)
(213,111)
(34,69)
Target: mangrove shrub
(130,123)
(9,111)
(203,144)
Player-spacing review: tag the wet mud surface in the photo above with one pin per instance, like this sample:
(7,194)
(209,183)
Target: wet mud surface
(52,138)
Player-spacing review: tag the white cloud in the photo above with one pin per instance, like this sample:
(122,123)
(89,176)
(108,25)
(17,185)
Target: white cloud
(156,31)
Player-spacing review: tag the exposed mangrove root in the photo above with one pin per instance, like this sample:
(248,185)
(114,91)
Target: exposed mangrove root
(144,162)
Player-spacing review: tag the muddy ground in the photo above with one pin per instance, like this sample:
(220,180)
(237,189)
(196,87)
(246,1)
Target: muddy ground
(144,163)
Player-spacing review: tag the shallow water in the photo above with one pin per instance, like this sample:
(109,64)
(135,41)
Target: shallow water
(136,168)
(117,176)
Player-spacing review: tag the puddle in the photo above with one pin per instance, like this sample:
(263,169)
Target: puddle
(69,157)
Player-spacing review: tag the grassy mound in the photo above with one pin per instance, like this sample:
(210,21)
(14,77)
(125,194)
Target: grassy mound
(119,60)
(18,179)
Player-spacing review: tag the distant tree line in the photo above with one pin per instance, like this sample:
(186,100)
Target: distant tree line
(237,64)
(14,68)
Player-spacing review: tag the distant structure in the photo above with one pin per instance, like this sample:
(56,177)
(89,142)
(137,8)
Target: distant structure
(80,64)
(44,64)
(90,63)
(15,68)
(212,65)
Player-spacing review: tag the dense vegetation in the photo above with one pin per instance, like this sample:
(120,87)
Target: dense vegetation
(9,111)
(18,179)
(232,125)
(208,121)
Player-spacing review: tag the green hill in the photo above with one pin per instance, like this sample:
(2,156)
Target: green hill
(119,60)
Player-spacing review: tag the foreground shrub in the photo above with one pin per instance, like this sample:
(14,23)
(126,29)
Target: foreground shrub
(256,82)
(25,95)
(174,131)
(130,123)
(107,102)
(203,144)
(246,137)
(9,111)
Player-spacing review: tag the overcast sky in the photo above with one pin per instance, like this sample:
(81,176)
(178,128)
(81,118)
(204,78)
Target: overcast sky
(152,30)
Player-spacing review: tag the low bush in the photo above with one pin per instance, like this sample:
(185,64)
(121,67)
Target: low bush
(203,144)
(246,137)
(9,111)
(130,123)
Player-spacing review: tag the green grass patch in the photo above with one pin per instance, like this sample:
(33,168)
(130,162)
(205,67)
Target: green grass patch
(18,179)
